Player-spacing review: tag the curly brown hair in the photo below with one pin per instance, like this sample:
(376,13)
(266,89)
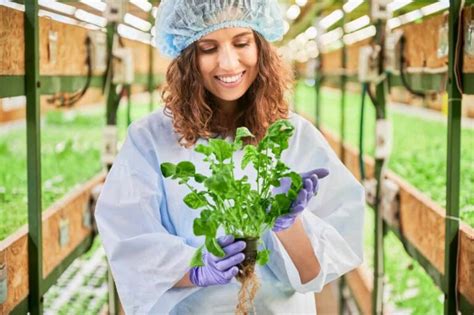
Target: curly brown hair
(195,113)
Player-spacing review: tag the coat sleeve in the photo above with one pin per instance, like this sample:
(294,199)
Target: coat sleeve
(146,259)
(333,219)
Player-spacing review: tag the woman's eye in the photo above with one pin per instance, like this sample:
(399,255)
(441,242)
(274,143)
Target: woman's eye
(208,50)
(242,45)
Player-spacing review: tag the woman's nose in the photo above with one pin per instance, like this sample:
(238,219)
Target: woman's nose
(228,59)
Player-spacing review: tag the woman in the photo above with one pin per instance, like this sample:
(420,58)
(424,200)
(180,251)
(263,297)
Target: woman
(224,75)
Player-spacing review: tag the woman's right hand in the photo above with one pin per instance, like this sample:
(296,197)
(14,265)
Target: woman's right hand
(219,270)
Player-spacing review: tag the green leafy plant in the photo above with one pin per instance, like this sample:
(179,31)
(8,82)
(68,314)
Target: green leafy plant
(231,202)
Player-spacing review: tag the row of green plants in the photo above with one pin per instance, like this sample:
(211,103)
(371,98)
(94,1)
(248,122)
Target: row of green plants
(419,156)
(419,152)
(90,293)
(71,143)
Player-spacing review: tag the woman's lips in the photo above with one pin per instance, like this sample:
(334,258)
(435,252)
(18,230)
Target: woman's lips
(231,84)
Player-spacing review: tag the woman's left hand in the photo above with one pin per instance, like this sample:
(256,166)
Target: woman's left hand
(309,189)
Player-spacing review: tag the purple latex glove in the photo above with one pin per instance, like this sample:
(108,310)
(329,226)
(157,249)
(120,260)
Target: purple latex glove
(309,189)
(219,270)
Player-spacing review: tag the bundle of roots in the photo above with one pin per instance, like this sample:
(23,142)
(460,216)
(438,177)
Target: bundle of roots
(248,290)
(248,278)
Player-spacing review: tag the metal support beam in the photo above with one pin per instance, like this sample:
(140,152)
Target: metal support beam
(381,91)
(151,70)
(453,162)
(32,86)
(317,86)
(128,91)
(113,100)
(343,85)
(112,96)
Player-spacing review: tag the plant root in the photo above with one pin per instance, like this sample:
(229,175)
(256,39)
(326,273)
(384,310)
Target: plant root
(248,290)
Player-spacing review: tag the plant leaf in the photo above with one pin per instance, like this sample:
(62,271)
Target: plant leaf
(185,169)
(242,132)
(222,149)
(263,256)
(199,178)
(213,246)
(168,169)
(204,225)
(196,261)
(195,201)
(250,154)
(201,148)
(217,183)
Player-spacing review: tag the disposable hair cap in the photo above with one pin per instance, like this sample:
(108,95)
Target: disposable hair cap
(179,23)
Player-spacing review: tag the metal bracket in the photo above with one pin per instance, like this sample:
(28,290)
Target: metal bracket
(110,144)
(99,51)
(379,10)
(392,50)
(368,63)
(116,10)
(390,202)
(52,47)
(63,232)
(370,186)
(443,41)
(123,69)
(383,136)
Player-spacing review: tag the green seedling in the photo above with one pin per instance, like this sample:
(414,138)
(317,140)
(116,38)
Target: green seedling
(232,203)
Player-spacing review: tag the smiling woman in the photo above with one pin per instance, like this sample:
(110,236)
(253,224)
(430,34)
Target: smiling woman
(226,80)
(231,77)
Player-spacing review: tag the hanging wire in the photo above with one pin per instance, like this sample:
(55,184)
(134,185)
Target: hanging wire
(402,70)
(365,87)
(61,100)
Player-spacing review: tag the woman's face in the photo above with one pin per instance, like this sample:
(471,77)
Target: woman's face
(227,60)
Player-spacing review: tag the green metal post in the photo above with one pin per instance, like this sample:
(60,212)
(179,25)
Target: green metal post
(112,96)
(317,85)
(151,71)
(453,165)
(128,88)
(343,82)
(111,119)
(343,98)
(32,86)
(381,91)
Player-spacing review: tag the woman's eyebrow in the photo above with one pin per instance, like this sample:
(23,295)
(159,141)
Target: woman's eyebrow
(243,34)
(213,40)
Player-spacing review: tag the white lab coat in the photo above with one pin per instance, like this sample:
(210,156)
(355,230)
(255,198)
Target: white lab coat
(147,233)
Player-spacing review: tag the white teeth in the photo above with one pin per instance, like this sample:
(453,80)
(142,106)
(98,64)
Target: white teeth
(231,79)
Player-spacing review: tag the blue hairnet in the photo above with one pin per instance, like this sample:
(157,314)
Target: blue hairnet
(179,23)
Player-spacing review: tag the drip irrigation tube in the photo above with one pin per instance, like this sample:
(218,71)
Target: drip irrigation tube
(365,88)
(69,101)
(402,70)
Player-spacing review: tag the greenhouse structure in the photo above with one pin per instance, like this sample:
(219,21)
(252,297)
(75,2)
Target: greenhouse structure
(388,83)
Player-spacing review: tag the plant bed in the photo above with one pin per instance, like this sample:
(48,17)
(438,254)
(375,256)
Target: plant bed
(71,142)
(419,145)
(422,224)
(14,250)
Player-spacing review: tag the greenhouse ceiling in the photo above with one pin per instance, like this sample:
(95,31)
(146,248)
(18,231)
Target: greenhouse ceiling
(313,16)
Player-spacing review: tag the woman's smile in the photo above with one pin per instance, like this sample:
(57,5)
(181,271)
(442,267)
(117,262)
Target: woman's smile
(230,81)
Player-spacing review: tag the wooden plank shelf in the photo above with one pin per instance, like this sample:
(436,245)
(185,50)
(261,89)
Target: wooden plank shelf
(67,214)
